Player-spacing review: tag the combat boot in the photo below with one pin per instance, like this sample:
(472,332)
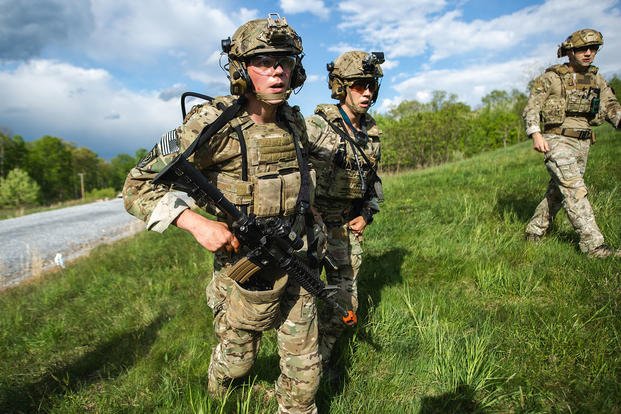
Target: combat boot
(604,251)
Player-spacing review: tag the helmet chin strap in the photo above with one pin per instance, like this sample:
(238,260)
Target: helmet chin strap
(267,97)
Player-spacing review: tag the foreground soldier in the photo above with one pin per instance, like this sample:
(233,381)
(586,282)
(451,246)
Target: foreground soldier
(255,159)
(569,99)
(345,151)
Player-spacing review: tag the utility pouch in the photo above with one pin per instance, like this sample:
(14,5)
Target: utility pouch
(255,310)
(345,184)
(553,111)
(267,193)
(290,190)
(238,192)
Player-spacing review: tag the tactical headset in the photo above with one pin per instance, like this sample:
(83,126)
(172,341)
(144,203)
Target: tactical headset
(239,80)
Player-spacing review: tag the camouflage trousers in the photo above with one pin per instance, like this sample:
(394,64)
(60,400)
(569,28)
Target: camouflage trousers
(241,316)
(344,247)
(566,162)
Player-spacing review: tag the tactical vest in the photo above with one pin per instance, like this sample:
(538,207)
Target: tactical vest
(341,178)
(260,172)
(579,97)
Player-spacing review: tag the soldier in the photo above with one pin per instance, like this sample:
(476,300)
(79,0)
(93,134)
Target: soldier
(569,99)
(256,160)
(345,151)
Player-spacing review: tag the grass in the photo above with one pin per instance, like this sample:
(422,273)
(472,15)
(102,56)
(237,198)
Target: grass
(458,313)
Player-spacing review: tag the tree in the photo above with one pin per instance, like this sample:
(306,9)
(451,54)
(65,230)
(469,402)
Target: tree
(121,164)
(12,152)
(49,163)
(18,189)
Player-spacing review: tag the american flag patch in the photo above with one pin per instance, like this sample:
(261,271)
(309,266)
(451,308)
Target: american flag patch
(169,143)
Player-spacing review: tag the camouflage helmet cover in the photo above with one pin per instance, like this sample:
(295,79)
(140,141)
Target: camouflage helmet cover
(357,64)
(259,36)
(351,65)
(271,35)
(580,38)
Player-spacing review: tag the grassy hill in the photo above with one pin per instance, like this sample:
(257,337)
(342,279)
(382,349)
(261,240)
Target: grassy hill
(458,313)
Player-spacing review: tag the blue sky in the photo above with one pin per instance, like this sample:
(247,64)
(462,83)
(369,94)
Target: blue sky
(107,74)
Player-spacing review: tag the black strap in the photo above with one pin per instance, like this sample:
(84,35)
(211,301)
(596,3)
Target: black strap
(303,200)
(210,130)
(347,138)
(361,135)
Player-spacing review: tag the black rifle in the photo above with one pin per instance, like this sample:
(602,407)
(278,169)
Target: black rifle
(271,241)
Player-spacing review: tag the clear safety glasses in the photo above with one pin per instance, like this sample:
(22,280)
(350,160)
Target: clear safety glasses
(266,64)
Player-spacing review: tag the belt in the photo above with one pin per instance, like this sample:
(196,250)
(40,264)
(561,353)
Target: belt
(571,132)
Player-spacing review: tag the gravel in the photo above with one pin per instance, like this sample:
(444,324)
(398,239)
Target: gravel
(35,243)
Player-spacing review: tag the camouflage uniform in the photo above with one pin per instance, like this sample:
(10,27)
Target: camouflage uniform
(339,195)
(566,102)
(243,313)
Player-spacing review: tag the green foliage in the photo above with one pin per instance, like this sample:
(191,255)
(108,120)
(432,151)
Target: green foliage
(17,189)
(49,162)
(12,153)
(423,134)
(60,168)
(100,194)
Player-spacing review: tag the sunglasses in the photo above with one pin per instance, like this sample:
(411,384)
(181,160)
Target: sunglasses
(593,48)
(266,64)
(362,85)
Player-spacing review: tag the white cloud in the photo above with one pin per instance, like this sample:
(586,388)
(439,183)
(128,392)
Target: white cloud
(470,83)
(413,28)
(159,28)
(77,104)
(316,7)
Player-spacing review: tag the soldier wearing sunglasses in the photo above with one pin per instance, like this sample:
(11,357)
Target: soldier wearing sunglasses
(564,104)
(344,149)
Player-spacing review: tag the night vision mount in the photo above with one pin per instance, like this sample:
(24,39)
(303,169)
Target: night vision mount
(372,59)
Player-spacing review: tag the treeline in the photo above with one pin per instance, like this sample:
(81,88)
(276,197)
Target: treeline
(50,170)
(417,135)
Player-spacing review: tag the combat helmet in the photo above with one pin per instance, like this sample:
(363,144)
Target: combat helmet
(353,65)
(580,38)
(262,36)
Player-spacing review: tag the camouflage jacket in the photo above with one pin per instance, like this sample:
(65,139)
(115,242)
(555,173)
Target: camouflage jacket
(338,195)
(273,181)
(560,98)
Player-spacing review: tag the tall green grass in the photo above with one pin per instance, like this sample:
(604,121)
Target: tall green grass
(458,313)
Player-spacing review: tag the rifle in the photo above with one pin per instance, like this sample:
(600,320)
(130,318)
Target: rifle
(271,240)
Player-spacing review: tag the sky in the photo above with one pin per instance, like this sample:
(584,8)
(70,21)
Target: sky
(108,74)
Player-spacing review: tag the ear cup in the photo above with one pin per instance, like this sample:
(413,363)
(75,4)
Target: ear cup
(238,77)
(338,88)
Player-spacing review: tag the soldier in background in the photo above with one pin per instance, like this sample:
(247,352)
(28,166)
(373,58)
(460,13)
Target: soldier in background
(345,151)
(256,161)
(568,99)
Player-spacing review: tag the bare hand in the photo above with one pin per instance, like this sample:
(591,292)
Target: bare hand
(212,235)
(539,143)
(357,225)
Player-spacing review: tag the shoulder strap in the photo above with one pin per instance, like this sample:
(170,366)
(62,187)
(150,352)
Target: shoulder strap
(303,200)
(209,130)
(373,177)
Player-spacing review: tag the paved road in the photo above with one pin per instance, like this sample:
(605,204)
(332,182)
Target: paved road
(30,244)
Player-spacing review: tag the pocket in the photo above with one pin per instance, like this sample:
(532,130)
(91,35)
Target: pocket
(267,193)
(568,170)
(255,310)
(238,192)
(290,191)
